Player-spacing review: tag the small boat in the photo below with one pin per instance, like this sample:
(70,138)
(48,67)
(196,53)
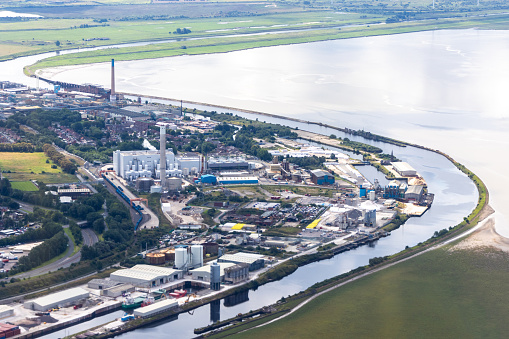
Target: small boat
(147,301)
(178,293)
(130,302)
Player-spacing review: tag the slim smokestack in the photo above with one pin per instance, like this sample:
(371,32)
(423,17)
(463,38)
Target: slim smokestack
(163,156)
(113,96)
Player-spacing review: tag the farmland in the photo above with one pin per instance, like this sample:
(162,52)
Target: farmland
(26,166)
(440,294)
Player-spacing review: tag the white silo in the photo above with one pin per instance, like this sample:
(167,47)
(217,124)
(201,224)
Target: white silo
(215,277)
(197,256)
(180,257)
(372,195)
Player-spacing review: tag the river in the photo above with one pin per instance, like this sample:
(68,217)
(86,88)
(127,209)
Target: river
(442,89)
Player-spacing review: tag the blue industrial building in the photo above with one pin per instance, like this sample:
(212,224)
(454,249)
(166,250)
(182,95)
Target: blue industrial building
(320,177)
(208,179)
(237,180)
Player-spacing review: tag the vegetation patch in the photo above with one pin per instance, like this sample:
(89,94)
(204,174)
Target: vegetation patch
(439,294)
(26,163)
(26,186)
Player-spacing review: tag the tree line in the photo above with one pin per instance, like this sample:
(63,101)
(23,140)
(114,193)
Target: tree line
(59,159)
(23,147)
(49,249)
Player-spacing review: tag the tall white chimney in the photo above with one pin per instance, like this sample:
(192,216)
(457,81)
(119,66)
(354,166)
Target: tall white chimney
(113,95)
(162,152)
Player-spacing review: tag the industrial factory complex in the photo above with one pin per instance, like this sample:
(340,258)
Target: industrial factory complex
(227,211)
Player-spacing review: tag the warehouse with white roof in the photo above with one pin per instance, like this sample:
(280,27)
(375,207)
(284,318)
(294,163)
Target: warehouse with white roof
(404,169)
(155,308)
(146,275)
(60,299)
(203,273)
(255,261)
(6,311)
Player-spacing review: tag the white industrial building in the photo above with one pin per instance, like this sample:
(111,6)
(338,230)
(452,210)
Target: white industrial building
(308,151)
(6,311)
(368,209)
(60,299)
(146,275)
(203,273)
(131,165)
(404,169)
(155,308)
(255,261)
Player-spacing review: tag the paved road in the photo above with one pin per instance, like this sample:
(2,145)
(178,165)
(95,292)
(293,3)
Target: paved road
(89,236)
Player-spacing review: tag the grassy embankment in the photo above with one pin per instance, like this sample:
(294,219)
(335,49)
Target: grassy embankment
(228,44)
(27,166)
(36,36)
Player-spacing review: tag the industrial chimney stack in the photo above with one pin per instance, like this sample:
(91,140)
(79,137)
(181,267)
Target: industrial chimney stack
(163,156)
(113,95)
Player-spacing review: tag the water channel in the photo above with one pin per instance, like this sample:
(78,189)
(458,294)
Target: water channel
(359,83)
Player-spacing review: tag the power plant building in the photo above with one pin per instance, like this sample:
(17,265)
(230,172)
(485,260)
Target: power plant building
(132,165)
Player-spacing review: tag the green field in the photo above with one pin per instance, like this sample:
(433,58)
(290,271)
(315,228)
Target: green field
(228,44)
(24,186)
(27,166)
(440,294)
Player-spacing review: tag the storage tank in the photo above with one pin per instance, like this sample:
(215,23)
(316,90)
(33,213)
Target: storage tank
(174,184)
(372,195)
(180,257)
(155,258)
(169,254)
(156,189)
(215,277)
(197,256)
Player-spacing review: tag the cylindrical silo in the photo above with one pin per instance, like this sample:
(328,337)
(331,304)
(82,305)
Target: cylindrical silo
(197,256)
(215,277)
(180,257)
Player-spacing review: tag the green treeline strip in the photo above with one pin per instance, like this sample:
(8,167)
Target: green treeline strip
(59,158)
(24,147)
(48,250)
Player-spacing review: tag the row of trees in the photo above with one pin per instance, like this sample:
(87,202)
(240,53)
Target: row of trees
(17,147)
(120,229)
(48,230)
(49,249)
(59,159)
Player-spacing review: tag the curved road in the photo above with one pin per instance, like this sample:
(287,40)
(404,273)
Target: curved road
(89,236)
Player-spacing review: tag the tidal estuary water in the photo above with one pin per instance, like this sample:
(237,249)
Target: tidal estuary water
(442,89)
